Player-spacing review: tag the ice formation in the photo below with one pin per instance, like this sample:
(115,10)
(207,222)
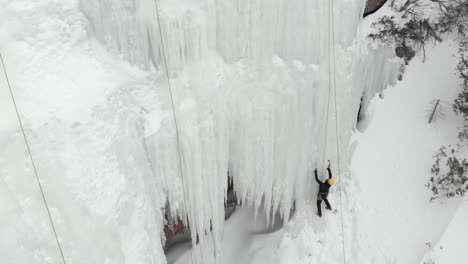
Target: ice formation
(251,89)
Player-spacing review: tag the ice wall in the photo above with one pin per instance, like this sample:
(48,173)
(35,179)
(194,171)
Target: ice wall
(82,111)
(251,88)
(252,93)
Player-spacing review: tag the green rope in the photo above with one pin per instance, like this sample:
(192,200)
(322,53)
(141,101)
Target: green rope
(169,85)
(32,162)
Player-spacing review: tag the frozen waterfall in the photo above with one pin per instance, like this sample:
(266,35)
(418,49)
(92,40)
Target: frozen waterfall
(251,87)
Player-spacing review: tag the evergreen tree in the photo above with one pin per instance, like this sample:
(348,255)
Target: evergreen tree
(408,31)
(452,178)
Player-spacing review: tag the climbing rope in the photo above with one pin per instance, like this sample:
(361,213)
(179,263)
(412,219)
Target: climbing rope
(169,85)
(332,32)
(328,102)
(32,162)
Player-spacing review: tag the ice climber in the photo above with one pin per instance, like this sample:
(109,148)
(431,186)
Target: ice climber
(323,190)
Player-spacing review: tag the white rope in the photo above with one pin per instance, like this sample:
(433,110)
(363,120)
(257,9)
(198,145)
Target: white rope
(32,162)
(332,32)
(328,104)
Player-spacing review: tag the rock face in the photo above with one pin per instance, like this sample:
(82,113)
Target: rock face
(372,6)
(172,230)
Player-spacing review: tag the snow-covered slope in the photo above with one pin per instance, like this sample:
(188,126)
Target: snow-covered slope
(450,248)
(393,156)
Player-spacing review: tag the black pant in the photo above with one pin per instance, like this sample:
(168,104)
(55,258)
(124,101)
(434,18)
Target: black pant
(319,203)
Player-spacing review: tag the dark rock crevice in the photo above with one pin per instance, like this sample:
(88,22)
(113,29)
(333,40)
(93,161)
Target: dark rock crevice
(372,6)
